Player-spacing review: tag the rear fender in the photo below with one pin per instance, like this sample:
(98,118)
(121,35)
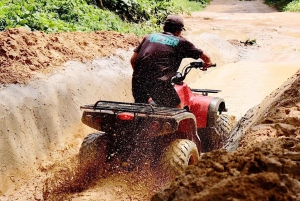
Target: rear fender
(187,129)
(158,125)
(98,121)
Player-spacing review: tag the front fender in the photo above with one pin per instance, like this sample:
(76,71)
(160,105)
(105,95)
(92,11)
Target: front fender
(217,105)
(206,109)
(199,106)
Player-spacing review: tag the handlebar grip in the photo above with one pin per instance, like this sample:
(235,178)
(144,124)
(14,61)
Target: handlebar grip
(212,65)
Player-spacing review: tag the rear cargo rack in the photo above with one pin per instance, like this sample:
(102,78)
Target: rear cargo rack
(133,107)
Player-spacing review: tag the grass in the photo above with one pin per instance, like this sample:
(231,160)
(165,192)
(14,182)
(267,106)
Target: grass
(193,5)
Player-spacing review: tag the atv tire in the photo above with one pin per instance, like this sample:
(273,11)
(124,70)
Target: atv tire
(178,156)
(92,155)
(224,126)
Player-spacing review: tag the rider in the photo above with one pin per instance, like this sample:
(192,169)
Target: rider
(157,59)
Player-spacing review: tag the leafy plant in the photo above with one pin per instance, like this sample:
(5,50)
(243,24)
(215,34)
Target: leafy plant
(278,4)
(194,5)
(128,10)
(125,16)
(293,6)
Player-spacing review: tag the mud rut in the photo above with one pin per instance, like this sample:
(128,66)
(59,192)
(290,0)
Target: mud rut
(245,74)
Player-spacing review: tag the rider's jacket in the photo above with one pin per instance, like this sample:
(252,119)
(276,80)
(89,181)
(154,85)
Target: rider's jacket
(160,55)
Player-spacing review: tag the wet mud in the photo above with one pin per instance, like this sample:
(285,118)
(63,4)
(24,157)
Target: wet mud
(45,79)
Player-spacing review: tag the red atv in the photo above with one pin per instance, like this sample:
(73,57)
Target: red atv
(132,134)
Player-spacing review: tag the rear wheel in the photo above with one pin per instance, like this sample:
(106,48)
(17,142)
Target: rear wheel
(92,154)
(178,156)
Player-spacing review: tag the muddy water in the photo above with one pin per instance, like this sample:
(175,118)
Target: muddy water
(245,74)
(245,84)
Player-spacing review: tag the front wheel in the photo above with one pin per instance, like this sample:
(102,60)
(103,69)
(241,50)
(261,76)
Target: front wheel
(178,156)
(224,126)
(215,137)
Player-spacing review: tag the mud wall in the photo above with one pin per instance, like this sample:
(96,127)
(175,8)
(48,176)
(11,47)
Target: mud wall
(44,115)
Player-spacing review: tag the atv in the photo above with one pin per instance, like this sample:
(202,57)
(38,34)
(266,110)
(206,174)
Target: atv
(131,134)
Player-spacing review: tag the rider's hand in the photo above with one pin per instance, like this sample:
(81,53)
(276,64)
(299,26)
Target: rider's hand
(206,65)
(206,59)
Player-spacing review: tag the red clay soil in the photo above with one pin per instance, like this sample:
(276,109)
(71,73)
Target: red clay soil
(44,52)
(267,171)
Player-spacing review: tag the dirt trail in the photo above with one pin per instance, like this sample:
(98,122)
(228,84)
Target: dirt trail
(246,74)
(259,68)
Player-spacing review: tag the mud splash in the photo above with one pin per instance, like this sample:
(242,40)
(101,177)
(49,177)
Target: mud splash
(66,181)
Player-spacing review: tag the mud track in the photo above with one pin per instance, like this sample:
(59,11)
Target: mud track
(47,77)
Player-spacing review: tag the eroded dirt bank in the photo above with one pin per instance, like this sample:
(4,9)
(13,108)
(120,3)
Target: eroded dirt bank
(44,116)
(40,118)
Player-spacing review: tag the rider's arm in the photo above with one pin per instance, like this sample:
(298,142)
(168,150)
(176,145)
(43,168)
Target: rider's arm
(133,58)
(189,50)
(206,59)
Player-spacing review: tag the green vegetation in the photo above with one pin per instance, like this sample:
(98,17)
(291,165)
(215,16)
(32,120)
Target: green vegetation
(293,6)
(285,5)
(125,16)
(193,5)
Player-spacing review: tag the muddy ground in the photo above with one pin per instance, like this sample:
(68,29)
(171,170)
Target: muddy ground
(46,77)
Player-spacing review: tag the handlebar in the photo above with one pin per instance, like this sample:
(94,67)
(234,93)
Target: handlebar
(199,64)
(179,77)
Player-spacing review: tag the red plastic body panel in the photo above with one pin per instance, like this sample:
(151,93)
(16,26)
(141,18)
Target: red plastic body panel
(197,103)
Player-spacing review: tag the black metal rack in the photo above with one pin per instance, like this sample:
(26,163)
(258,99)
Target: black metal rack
(206,90)
(134,108)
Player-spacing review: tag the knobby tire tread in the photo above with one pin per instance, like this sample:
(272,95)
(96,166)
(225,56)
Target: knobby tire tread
(92,154)
(175,158)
